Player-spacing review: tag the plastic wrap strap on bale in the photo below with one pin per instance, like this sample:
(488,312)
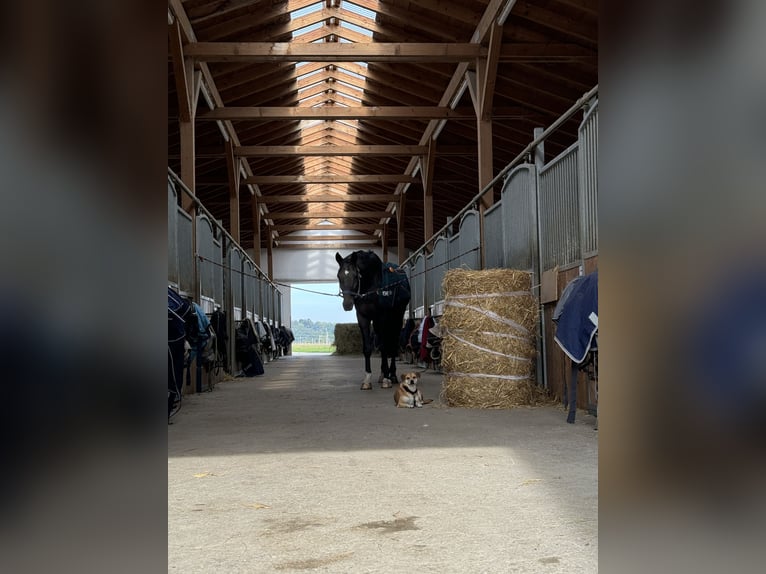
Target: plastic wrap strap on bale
(491,314)
(486,376)
(487,350)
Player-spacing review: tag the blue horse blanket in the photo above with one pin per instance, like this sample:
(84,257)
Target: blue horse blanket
(576,317)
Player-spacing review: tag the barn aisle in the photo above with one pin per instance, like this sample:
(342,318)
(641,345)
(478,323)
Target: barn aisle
(300,471)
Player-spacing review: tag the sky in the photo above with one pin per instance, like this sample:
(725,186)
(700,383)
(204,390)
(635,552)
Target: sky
(319,307)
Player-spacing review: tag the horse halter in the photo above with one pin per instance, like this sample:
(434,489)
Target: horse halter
(350,293)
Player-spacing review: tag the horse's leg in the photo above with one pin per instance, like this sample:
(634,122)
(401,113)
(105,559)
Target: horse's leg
(392,369)
(573,394)
(385,374)
(364,327)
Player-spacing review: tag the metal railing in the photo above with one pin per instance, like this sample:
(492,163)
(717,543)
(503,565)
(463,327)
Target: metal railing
(213,268)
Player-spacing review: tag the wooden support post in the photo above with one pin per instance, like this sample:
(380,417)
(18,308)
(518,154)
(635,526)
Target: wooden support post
(400,248)
(232,165)
(484,136)
(187,163)
(489,74)
(186,90)
(427,173)
(384,242)
(270,252)
(256,214)
(481,86)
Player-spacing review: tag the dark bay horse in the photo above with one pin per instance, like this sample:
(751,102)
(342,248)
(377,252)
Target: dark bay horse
(380,306)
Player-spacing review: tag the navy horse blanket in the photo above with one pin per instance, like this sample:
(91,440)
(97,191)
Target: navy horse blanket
(576,317)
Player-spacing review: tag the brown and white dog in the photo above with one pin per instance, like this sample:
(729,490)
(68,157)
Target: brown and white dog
(407,394)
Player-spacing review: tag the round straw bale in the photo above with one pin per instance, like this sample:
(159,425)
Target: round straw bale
(348,339)
(488,353)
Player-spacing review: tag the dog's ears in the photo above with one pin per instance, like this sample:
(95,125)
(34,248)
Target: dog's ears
(338,258)
(402,377)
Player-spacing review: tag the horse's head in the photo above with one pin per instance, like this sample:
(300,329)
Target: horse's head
(349,279)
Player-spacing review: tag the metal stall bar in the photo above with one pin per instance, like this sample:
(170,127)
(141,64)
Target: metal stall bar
(588,179)
(519,228)
(185,251)
(441,256)
(559,211)
(470,240)
(493,236)
(207,248)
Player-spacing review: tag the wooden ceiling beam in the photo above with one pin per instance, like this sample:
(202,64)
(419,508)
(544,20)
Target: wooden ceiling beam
(328,150)
(312,238)
(585,31)
(264,17)
(545,52)
(350,178)
(276,215)
(454,10)
(351,198)
(329,245)
(330,52)
(312,227)
(333,52)
(335,113)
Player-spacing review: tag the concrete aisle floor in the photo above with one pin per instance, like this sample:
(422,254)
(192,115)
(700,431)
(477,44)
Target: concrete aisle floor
(300,471)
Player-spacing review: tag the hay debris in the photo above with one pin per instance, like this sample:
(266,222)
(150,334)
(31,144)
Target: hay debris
(488,351)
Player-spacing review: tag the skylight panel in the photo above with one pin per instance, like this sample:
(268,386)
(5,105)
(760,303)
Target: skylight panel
(350,97)
(318,72)
(351,7)
(306,124)
(344,41)
(307,10)
(307,29)
(342,83)
(350,73)
(356,28)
